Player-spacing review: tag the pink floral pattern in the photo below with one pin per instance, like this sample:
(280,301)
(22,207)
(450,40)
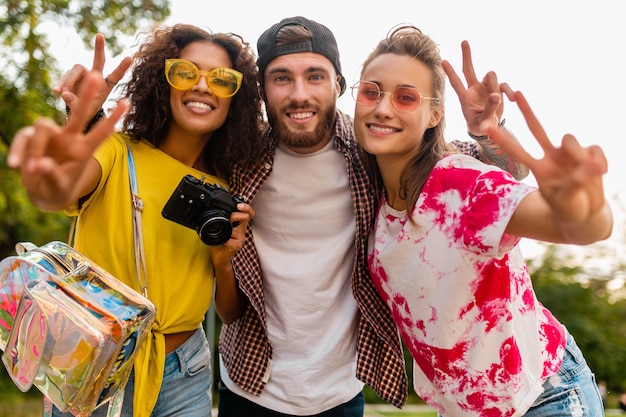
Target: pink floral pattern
(461,294)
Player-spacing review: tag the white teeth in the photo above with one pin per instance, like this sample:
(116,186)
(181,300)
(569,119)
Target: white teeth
(380,129)
(199,105)
(301,115)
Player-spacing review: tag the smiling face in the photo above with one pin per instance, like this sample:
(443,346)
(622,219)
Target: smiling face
(198,112)
(394,135)
(301,91)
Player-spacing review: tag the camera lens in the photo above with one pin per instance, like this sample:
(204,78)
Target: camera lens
(214,229)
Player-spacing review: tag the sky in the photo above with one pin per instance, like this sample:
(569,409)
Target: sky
(567,57)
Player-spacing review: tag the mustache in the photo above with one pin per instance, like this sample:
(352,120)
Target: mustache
(292,106)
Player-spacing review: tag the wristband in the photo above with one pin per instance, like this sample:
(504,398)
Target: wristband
(483,137)
(95,119)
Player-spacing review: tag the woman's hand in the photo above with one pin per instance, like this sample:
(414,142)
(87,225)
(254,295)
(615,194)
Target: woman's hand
(482,100)
(53,159)
(570,178)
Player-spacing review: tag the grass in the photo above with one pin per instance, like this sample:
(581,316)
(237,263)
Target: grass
(25,407)
(30,406)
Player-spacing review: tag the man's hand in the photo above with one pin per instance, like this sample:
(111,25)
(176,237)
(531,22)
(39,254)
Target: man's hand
(70,83)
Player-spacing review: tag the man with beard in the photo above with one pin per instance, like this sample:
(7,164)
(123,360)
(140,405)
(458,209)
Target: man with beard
(315,328)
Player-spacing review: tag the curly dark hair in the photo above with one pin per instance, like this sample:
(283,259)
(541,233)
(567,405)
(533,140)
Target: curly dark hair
(233,144)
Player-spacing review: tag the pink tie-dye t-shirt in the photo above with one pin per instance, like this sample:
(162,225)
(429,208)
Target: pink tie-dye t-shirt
(461,295)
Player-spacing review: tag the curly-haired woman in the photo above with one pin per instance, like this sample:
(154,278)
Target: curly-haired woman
(193,108)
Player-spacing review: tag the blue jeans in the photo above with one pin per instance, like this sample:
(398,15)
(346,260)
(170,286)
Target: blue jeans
(232,405)
(572,391)
(186,387)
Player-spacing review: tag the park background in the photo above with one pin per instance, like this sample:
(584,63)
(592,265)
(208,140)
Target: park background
(567,57)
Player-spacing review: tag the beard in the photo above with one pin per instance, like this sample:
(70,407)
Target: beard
(301,140)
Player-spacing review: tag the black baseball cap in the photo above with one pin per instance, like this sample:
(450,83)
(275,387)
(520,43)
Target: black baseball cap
(323,42)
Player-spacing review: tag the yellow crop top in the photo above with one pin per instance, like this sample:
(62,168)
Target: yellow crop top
(179,269)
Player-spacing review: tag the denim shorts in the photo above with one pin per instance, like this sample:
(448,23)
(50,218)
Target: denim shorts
(186,387)
(572,391)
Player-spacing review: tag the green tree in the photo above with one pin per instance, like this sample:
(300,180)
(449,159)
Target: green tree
(26,88)
(580,298)
(26,94)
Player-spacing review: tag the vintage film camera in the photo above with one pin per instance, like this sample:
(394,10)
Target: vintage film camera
(204,207)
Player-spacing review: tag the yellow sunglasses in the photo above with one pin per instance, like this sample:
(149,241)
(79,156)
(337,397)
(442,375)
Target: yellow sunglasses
(183,75)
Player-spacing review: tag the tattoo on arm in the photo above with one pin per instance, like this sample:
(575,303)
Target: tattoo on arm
(488,152)
(491,154)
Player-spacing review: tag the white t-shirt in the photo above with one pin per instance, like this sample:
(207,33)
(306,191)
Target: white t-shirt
(304,231)
(461,295)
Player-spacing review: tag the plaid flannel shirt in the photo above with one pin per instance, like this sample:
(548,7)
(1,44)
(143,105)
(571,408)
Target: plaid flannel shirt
(244,345)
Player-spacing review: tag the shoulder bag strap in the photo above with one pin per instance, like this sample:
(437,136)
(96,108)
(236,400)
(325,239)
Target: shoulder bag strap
(140,259)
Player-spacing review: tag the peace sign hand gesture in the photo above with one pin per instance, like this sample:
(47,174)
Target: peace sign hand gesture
(570,177)
(53,160)
(482,100)
(72,80)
